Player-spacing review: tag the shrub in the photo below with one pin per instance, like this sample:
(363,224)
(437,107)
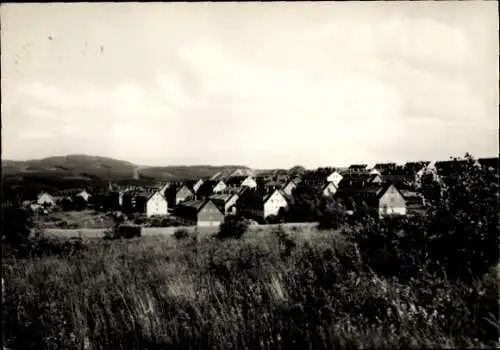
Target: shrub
(331,215)
(181,234)
(128,231)
(233,227)
(286,243)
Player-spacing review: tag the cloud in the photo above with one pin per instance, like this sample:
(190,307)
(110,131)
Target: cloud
(258,84)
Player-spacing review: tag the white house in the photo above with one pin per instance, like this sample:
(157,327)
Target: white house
(219,187)
(226,202)
(329,189)
(46,199)
(249,182)
(197,185)
(156,205)
(391,202)
(273,202)
(290,186)
(334,178)
(164,188)
(84,194)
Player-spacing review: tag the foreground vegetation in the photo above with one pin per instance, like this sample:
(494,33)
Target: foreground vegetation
(426,281)
(256,292)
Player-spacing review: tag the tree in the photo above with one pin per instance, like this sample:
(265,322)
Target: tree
(296,170)
(79,203)
(16,228)
(464,225)
(233,227)
(331,214)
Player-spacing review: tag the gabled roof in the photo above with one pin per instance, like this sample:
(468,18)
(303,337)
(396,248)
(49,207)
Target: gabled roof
(370,193)
(195,204)
(157,192)
(224,197)
(327,185)
(235,180)
(268,195)
(357,166)
(412,168)
(207,188)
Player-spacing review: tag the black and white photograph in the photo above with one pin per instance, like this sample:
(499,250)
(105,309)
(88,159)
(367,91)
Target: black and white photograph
(250,175)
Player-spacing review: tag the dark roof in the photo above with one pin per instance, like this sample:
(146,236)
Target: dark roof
(235,180)
(354,180)
(207,188)
(357,166)
(190,183)
(413,167)
(489,162)
(385,166)
(449,167)
(224,197)
(195,204)
(369,194)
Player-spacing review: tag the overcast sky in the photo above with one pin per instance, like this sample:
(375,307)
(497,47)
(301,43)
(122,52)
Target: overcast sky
(258,84)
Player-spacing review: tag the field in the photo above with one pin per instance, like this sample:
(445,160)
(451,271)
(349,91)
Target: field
(85,219)
(290,289)
(165,231)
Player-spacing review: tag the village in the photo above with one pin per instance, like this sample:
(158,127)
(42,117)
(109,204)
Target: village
(388,188)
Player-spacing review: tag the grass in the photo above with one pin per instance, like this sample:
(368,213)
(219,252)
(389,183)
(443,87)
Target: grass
(157,292)
(85,219)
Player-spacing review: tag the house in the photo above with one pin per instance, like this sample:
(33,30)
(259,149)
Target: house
(200,212)
(313,179)
(46,199)
(255,204)
(226,202)
(385,167)
(178,194)
(489,163)
(210,187)
(273,202)
(290,186)
(241,181)
(135,201)
(163,189)
(414,200)
(156,205)
(197,185)
(385,199)
(329,189)
(84,194)
(357,168)
(334,178)
(358,180)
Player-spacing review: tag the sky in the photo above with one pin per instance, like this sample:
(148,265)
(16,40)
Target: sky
(265,85)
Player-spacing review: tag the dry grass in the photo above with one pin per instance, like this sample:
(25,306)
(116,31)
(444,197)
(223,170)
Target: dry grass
(159,292)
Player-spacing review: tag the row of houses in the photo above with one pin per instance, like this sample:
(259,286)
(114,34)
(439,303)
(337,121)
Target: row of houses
(388,187)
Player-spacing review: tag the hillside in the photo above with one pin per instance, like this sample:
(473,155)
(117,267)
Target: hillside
(75,171)
(82,166)
(192,172)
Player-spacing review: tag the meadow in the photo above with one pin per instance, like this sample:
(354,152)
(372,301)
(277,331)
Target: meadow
(275,288)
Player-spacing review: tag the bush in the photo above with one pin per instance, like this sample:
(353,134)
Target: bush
(128,231)
(16,229)
(233,227)
(181,234)
(331,215)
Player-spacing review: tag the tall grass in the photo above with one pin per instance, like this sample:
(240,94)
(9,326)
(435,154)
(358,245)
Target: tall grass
(159,292)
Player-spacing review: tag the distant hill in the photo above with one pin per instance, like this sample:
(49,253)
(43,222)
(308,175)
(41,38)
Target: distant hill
(71,171)
(83,166)
(193,172)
